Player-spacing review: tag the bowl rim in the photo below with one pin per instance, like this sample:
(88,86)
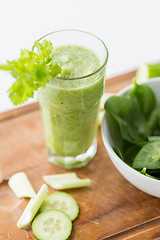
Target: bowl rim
(105,138)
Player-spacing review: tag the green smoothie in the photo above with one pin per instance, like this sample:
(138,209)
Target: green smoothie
(70,103)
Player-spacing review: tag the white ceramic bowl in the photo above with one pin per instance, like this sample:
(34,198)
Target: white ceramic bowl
(144,183)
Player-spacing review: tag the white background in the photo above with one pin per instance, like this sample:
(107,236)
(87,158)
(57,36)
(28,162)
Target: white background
(130,29)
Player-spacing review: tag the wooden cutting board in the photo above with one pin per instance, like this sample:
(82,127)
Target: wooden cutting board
(110,209)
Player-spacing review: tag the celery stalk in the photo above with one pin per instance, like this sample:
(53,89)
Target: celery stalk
(32,207)
(100,117)
(21,186)
(66,181)
(102,111)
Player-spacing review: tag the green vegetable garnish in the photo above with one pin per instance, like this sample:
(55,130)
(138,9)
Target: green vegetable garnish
(134,122)
(34,69)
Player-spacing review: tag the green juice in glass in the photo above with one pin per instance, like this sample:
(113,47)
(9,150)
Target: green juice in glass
(70,106)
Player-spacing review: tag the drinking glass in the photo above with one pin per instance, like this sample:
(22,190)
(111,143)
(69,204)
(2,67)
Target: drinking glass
(70,106)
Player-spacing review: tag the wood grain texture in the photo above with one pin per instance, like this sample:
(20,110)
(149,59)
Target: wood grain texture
(18,111)
(110,209)
(147,231)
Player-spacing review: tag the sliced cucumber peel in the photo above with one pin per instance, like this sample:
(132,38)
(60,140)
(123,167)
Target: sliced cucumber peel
(21,186)
(62,201)
(66,181)
(52,225)
(32,207)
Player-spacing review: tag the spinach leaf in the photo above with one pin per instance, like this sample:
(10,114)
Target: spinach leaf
(129,152)
(154,172)
(118,152)
(144,157)
(145,97)
(117,140)
(135,121)
(153,121)
(125,110)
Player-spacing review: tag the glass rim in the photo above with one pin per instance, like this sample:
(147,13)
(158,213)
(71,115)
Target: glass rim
(75,30)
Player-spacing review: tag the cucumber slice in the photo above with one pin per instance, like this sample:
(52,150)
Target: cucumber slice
(32,207)
(52,225)
(146,71)
(21,186)
(62,201)
(66,181)
(142,73)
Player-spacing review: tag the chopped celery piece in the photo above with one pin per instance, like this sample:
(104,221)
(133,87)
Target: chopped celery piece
(100,117)
(61,176)
(21,186)
(102,111)
(146,71)
(32,207)
(66,181)
(104,98)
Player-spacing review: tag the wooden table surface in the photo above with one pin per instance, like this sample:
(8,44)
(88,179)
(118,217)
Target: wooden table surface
(110,209)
